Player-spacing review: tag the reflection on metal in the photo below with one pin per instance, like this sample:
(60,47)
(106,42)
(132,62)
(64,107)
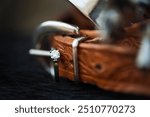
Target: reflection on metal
(75,56)
(143,59)
(90,8)
(39,52)
(49,28)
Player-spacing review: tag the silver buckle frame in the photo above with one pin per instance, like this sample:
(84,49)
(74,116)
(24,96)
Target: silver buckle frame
(54,27)
(50,28)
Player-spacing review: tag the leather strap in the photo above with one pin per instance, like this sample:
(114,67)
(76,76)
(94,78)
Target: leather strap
(111,67)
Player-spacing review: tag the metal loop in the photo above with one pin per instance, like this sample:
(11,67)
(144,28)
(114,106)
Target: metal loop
(75,56)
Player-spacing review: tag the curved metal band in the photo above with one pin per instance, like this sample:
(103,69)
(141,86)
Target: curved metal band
(53,27)
(75,56)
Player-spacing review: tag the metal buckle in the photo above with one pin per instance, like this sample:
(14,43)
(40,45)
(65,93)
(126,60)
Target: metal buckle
(50,28)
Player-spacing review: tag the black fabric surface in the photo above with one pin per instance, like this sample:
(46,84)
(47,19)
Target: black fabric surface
(22,77)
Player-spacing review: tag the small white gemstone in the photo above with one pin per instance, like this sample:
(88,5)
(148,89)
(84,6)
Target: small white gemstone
(55,55)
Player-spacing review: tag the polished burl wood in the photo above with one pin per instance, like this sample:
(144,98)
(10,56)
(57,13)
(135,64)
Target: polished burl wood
(109,66)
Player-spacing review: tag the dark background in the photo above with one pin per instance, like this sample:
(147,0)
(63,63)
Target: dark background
(21,75)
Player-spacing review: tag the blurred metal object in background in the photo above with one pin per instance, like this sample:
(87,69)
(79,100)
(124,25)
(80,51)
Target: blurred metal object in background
(143,59)
(90,8)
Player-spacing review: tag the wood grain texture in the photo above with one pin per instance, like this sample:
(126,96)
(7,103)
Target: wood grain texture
(111,67)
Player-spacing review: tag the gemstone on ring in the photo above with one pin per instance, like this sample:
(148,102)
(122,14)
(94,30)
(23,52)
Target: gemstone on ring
(55,54)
